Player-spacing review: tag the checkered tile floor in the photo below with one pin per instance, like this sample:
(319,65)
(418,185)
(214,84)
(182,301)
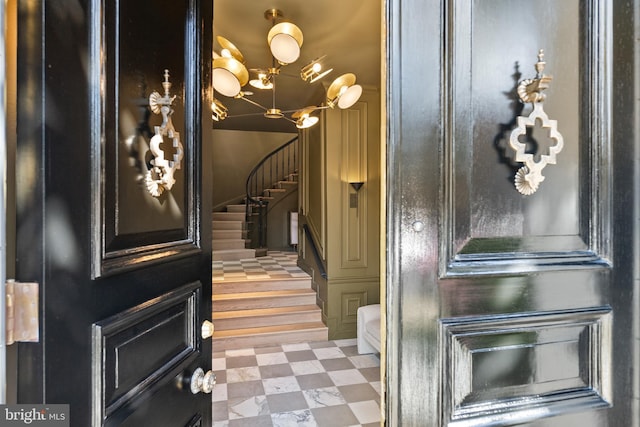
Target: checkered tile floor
(310,384)
(324,383)
(276,265)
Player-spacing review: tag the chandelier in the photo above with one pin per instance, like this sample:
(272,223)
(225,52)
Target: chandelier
(230,75)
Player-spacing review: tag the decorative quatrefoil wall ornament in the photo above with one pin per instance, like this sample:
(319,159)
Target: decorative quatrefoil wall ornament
(160,176)
(529,176)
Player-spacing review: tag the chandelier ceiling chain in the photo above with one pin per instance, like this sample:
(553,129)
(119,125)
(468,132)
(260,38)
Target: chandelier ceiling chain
(285,40)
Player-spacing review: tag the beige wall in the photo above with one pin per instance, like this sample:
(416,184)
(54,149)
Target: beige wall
(345,224)
(235,153)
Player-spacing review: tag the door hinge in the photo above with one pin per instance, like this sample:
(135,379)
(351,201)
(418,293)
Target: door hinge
(21,312)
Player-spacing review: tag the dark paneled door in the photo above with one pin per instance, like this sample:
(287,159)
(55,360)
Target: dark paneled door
(505,306)
(112,218)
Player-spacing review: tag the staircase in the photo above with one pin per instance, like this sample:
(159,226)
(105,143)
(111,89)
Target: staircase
(228,235)
(248,313)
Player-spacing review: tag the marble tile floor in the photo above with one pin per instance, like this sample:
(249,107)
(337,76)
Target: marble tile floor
(324,383)
(276,265)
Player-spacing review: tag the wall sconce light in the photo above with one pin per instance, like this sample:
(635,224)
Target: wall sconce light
(357,185)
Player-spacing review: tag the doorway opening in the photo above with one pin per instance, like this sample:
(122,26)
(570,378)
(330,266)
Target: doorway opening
(224,9)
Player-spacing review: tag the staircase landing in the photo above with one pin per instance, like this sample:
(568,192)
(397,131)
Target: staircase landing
(264,301)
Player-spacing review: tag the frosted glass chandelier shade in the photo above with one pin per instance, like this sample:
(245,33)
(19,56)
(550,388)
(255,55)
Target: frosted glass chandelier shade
(229,75)
(343,92)
(285,40)
(349,96)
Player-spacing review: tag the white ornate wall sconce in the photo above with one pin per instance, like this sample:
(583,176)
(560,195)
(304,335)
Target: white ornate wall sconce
(529,176)
(161,175)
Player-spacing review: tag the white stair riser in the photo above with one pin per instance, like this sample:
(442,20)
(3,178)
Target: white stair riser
(236,208)
(233,254)
(246,341)
(227,244)
(226,225)
(228,216)
(267,320)
(264,302)
(254,286)
(226,234)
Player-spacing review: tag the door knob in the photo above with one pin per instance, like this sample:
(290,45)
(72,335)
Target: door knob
(201,382)
(207,329)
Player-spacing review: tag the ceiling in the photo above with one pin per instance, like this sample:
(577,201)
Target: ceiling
(346,31)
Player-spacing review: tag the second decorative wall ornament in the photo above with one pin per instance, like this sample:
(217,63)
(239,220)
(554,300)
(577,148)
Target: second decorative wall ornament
(529,176)
(161,175)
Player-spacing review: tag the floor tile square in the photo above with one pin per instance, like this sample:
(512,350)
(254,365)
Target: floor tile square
(365,361)
(337,364)
(243,374)
(240,352)
(347,376)
(301,355)
(219,393)
(241,361)
(286,402)
(260,421)
(366,412)
(271,359)
(220,411)
(221,376)
(307,367)
(322,344)
(328,353)
(275,371)
(248,407)
(310,381)
(267,350)
(280,385)
(295,347)
(371,374)
(377,385)
(218,363)
(346,342)
(335,416)
(321,397)
(350,350)
(358,393)
(244,389)
(303,418)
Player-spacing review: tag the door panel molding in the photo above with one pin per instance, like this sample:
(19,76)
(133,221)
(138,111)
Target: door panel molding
(525,366)
(130,227)
(131,356)
(470,246)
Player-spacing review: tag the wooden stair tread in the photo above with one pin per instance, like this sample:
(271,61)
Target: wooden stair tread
(262,294)
(226,225)
(233,254)
(263,311)
(266,330)
(271,280)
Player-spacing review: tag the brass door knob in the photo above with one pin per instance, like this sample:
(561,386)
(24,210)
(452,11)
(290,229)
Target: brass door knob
(207,329)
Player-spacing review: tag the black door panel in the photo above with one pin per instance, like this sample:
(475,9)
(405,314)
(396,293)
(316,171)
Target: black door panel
(124,275)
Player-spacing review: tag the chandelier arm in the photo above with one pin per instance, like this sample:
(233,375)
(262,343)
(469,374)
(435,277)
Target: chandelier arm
(254,103)
(273,92)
